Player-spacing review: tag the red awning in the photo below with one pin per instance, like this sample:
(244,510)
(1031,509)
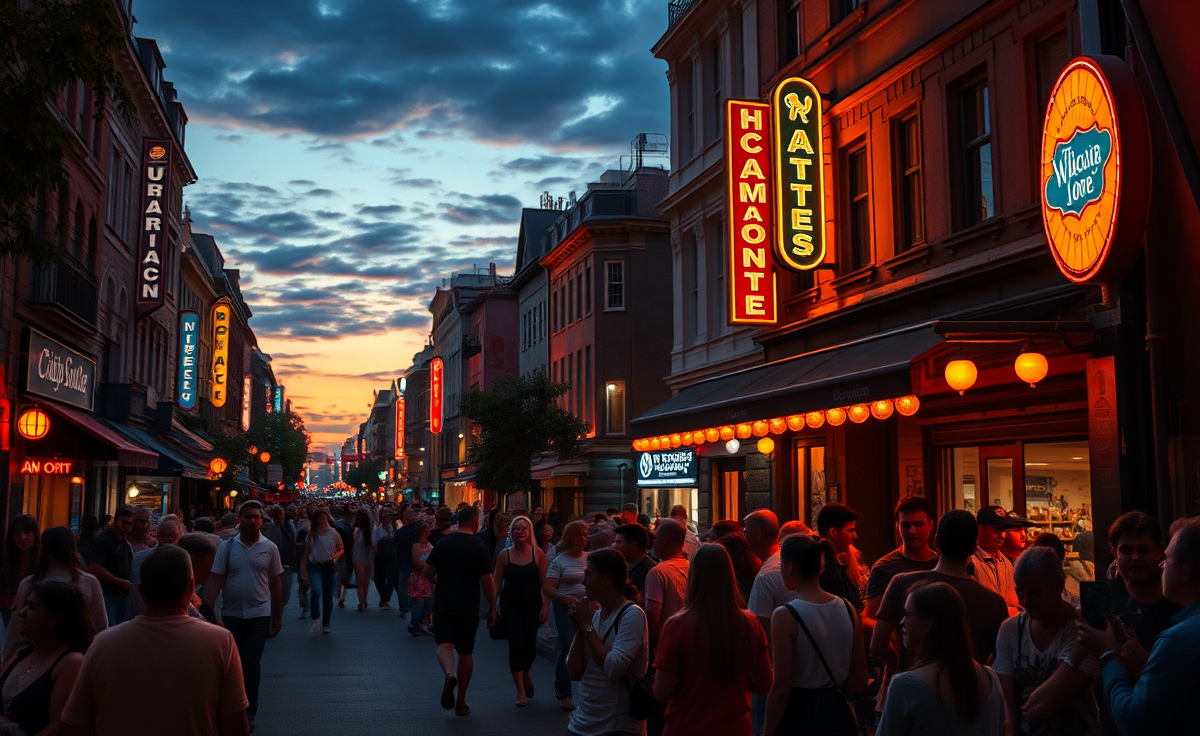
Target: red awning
(128,453)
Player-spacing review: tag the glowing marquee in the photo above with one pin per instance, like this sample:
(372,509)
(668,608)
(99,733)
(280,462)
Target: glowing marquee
(399,427)
(152,250)
(435,395)
(1094,170)
(220,352)
(189,346)
(799,165)
(752,287)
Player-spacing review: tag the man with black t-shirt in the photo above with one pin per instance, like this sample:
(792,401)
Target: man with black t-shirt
(631,541)
(460,566)
(836,523)
(111,560)
(914,523)
(1137,594)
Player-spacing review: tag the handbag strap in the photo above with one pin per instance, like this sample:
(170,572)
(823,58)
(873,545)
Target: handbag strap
(816,648)
(616,623)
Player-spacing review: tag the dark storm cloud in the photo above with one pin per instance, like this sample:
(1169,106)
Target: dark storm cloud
(401,178)
(380,210)
(320,192)
(485,210)
(538,164)
(564,75)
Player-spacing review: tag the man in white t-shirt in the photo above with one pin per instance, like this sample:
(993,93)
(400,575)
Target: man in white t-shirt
(691,541)
(666,583)
(248,568)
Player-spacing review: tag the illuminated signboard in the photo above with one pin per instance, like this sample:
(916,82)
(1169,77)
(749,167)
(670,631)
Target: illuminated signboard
(435,395)
(189,349)
(278,399)
(36,466)
(399,427)
(152,233)
(58,372)
(752,287)
(667,468)
(220,352)
(799,158)
(247,386)
(1095,170)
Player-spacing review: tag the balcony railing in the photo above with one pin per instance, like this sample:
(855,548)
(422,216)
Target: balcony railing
(66,284)
(675,9)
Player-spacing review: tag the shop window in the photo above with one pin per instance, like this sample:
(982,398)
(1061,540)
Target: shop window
(810,481)
(662,499)
(614,397)
(911,212)
(859,208)
(615,283)
(1058,493)
(975,136)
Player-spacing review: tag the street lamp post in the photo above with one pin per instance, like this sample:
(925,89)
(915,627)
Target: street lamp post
(622,468)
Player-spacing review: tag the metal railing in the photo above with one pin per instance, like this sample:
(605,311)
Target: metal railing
(675,9)
(68,285)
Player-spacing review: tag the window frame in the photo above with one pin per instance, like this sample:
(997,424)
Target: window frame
(856,260)
(909,181)
(616,387)
(609,283)
(968,210)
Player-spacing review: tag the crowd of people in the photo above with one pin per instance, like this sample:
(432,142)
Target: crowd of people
(750,628)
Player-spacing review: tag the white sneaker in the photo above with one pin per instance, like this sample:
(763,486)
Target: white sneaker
(316,626)
(328,630)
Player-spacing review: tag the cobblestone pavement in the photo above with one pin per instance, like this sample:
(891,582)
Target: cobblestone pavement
(370,676)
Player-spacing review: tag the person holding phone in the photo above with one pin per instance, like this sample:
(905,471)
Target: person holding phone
(1163,699)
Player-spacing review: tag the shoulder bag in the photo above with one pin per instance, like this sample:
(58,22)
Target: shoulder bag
(642,703)
(824,710)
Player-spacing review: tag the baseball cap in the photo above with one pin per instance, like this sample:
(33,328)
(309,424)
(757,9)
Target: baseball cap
(996,516)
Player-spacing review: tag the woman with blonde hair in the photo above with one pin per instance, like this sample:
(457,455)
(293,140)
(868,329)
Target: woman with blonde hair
(706,679)
(564,587)
(520,577)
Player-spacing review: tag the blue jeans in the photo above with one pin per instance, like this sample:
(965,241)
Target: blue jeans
(250,635)
(320,593)
(117,608)
(402,601)
(566,635)
(420,610)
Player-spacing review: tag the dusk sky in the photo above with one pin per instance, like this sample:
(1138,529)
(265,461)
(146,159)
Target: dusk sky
(351,154)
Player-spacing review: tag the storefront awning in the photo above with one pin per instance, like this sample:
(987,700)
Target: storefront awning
(852,373)
(129,453)
(554,468)
(176,460)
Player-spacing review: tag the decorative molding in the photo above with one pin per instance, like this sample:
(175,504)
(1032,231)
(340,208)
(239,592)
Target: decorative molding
(920,253)
(864,275)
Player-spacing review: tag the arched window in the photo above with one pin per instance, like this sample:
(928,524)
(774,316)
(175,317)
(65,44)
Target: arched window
(77,242)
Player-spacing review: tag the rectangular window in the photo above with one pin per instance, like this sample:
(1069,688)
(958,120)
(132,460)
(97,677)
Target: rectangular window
(570,301)
(979,202)
(587,286)
(589,391)
(614,396)
(615,283)
(860,209)
(570,382)
(687,114)
(839,9)
(716,111)
(580,386)
(554,310)
(718,300)
(738,44)
(911,212)
(810,481)
(1052,52)
(792,32)
(579,296)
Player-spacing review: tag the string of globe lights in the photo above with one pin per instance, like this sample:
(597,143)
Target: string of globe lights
(733,434)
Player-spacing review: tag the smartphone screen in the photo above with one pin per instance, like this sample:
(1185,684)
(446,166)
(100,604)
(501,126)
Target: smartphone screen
(1094,601)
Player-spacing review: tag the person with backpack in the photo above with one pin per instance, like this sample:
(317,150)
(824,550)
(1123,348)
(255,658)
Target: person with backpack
(816,647)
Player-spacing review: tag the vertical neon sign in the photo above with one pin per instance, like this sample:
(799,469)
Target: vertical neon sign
(220,349)
(435,395)
(399,427)
(752,286)
(189,343)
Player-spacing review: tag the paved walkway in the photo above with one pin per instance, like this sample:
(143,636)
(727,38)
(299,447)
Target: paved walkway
(370,676)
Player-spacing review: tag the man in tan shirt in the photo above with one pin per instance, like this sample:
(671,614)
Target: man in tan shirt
(988,565)
(193,663)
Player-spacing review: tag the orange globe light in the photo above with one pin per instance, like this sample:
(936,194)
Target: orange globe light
(744,431)
(265,457)
(795,423)
(961,375)
(1031,368)
(882,409)
(33,424)
(676,440)
(815,419)
(654,443)
(727,432)
(908,405)
(860,413)
(686,439)
(760,428)
(766,445)
(836,417)
(253,450)
(712,434)
(698,437)
(217,465)
(665,442)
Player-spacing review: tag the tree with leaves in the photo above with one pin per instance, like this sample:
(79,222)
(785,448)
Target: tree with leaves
(284,437)
(365,473)
(516,420)
(47,44)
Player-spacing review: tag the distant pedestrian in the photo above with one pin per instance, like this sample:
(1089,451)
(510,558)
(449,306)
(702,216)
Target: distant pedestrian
(989,565)
(202,550)
(707,679)
(402,541)
(420,589)
(139,529)
(39,676)
(364,555)
(520,575)
(282,534)
(194,664)
(666,584)
(459,568)
(111,560)
(58,562)
(837,524)
(169,532)
(631,541)
(322,549)
(564,587)
(692,540)
(946,693)
(20,558)
(247,568)
(345,563)
(443,519)
(386,570)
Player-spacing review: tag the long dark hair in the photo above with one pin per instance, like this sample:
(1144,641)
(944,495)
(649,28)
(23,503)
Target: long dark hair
(713,596)
(74,627)
(58,545)
(362,520)
(745,563)
(948,644)
(12,555)
(609,563)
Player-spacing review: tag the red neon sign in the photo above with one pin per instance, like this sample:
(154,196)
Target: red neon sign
(399,427)
(752,287)
(435,395)
(35,466)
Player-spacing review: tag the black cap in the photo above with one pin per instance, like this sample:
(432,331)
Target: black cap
(996,516)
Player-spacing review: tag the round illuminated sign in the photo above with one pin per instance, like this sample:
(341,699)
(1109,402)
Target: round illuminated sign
(1095,170)
(33,424)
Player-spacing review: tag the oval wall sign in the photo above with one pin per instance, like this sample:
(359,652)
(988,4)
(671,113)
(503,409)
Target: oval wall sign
(1095,170)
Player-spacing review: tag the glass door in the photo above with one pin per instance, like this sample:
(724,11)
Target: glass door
(1002,480)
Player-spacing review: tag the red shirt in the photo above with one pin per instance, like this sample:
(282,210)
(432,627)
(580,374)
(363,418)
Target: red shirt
(703,704)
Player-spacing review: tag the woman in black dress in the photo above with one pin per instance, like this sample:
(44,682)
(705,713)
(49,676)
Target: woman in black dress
(38,679)
(520,575)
